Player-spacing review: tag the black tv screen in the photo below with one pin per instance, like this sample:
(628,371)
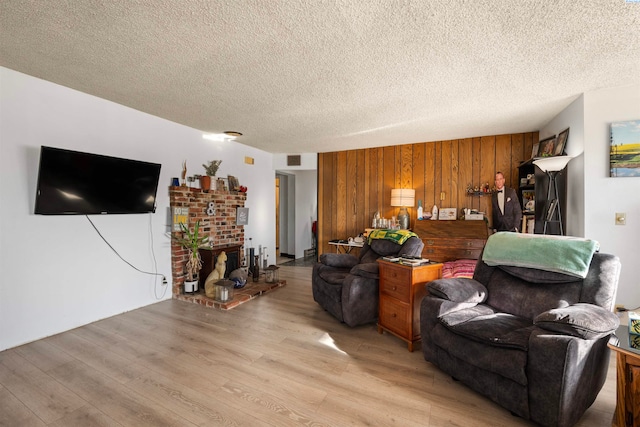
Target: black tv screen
(72,182)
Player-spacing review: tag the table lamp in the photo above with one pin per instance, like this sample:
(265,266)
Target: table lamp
(403,198)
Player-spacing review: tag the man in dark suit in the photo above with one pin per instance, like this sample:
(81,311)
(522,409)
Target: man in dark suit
(507,212)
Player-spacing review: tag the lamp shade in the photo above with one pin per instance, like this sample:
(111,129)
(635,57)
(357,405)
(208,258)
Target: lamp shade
(403,197)
(551,164)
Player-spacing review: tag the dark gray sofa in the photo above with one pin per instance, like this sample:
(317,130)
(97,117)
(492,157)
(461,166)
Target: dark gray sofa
(347,286)
(533,341)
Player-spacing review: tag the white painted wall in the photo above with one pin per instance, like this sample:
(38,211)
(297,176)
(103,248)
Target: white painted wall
(604,196)
(594,197)
(56,272)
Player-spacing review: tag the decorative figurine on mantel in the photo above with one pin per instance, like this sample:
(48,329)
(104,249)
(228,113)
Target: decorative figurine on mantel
(183,175)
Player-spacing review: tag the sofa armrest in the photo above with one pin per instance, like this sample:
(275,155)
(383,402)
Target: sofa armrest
(460,290)
(339,260)
(565,374)
(586,321)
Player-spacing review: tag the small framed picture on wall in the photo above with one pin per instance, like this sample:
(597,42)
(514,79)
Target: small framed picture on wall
(242,216)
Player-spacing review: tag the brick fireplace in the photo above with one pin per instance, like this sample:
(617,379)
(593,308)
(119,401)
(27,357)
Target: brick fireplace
(220,227)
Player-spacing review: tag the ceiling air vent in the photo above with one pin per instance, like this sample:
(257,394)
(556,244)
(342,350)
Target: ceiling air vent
(293,160)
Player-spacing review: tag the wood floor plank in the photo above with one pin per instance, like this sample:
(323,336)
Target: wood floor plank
(113,398)
(278,360)
(85,416)
(98,357)
(44,355)
(267,406)
(14,413)
(196,407)
(44,396)
(351,410)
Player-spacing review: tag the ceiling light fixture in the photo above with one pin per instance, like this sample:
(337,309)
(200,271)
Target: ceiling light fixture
(221,137)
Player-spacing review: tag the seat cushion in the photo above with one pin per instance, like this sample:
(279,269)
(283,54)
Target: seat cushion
(490,340)
(495,328)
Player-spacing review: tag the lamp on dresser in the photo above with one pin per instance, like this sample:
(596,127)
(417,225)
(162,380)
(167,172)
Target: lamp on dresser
(403,198)
(551,166)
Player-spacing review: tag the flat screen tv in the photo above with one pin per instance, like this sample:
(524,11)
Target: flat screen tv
(76,183)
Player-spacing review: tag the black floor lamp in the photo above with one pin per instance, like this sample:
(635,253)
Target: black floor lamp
(551,166)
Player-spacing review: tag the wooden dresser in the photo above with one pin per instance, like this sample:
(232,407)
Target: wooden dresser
(451,240)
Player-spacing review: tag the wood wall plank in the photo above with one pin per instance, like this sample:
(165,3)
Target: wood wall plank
(419,174)
(430,175)
(390,179)
(341,195)
(354,184)
(465,172)
(503,160)
(443,197)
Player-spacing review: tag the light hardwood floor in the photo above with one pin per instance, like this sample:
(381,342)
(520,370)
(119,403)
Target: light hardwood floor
(279,360)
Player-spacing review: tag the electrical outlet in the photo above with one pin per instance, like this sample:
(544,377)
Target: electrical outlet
(621,218)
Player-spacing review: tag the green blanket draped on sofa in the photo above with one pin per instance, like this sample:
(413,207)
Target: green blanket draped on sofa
(562,254)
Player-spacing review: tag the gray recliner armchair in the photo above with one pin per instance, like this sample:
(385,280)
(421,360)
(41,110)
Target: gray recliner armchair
(530,339)
(347,286)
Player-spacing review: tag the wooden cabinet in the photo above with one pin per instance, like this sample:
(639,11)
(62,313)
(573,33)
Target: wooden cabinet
(452,240)
(627,380)
(401,290)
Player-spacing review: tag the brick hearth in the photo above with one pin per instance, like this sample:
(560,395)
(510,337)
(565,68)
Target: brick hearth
(240,296)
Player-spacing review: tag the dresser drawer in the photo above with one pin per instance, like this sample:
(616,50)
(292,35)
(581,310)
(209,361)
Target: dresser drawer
(396,282)
(395,315)
(440,253)
(454,243)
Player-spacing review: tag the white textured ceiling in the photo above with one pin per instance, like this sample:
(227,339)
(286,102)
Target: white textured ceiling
(302,76)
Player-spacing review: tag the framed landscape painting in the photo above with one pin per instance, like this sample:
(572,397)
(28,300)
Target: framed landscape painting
(624,153)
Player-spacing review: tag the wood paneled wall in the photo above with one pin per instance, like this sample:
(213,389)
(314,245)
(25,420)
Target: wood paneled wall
(354,184)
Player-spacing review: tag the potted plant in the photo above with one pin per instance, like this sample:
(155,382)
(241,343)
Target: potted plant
(211,169)
(192,241)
